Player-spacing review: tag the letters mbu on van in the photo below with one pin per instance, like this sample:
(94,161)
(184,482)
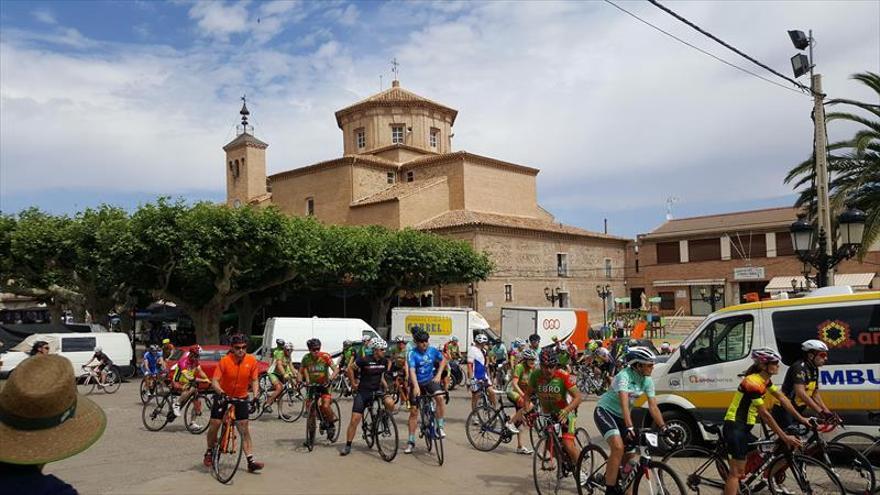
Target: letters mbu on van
(434,325)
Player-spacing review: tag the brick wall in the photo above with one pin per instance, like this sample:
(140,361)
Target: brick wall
(491,189)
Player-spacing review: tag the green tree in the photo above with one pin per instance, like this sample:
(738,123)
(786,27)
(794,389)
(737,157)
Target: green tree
(853,164)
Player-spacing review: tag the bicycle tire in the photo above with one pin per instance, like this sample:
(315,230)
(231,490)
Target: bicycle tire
(255,408)
(367,428)
(868,445)
(854,470)
(484,425)
(336,429)
(222,447)
(145,391)
(385,432)
(659,483)
(805,483)
(311,425)
(537,431)
(291,405)
(582,437)
(700,467)
(155,412)
(190,414)
(85,384)
(438,449)
(545,462)
(114,381)
(591,461)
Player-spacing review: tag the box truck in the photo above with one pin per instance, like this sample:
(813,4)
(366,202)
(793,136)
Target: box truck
(332,332)
(442,324)
(566,323)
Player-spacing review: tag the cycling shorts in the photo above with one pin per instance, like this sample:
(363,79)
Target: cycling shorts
(519,401)
(151,370)
(480,383)
(320,391)
(428,388)
(242,409)
(361,400)
(610,424)
(737,437)
(276,378)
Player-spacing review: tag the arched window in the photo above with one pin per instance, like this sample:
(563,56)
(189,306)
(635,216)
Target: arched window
(236,170)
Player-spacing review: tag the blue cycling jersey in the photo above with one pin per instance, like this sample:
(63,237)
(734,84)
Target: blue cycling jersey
(425,363)
(151,361)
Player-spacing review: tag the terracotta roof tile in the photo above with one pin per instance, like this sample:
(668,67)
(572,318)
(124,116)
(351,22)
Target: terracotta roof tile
(244,140)
(399,190)
(460,218)
(343,160)
(754,219)
(395,95)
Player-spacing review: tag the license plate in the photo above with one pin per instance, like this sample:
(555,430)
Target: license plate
(651,438)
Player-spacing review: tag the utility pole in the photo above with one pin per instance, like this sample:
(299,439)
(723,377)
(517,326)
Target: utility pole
(823,206)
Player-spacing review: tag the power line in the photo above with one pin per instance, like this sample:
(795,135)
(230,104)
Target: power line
(704,52)
(726,45)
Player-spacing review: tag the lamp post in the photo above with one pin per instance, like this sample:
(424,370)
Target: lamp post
(604,292)
(552,295)
(716,296)
(816,250)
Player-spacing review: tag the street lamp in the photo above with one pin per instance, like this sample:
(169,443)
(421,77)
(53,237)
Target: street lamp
(716,296)
(552,295)
(604,292)
(851,230)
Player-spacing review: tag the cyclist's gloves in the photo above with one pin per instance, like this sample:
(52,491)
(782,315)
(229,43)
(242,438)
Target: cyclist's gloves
(630,435)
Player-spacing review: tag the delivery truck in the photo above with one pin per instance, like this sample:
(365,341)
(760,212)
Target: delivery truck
(566,323)
(441,323)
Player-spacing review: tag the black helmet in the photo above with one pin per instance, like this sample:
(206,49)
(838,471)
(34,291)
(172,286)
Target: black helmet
(534,338)
(313,344)
(420,335)
(238,339)
(549,359)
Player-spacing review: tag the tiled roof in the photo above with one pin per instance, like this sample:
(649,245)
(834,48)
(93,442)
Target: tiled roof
(461,218)
(394,96)
(245,139)
(399,190)
(343,160)
(742,220)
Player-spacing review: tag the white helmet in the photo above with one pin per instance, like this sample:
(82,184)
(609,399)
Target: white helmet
(641,355)
(664,346)
(529,354)
(601,351)
(765,355)
(814,345)
(481,339)
(98,349)
(378,343)
(520,341)
(288,346)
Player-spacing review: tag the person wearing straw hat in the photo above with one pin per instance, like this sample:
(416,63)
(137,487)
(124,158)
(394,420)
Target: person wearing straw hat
(42,420)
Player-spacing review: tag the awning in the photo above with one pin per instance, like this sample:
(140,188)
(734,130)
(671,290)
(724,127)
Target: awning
(783,284)
(858,281)
(698,281)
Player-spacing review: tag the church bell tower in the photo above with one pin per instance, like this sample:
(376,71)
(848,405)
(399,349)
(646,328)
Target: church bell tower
(245,164)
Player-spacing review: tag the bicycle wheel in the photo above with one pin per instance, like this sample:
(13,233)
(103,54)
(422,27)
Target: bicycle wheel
(868,445)
(155,412)
(113,381)
(658,478)
(145,391)
(702,470)
(484,429)
(582,438)
(854,470)
(438,448)
(255,408)
(367,427)
(386,436)
(196,415)
(546,468)
(338,413)
(86,384)
(802,475)
(227,452)
(311,425)
(591,462)
(538,431)
(290,405)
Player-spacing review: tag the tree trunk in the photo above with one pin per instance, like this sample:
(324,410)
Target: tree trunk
(55,312)
(207,322)
(246,310)
(379,310)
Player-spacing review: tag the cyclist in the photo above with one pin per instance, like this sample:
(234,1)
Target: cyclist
(535,342)
(518,396)
(801,384)
(613,411)
(604,364)
(316,369)
(497,355)
(104,363)
(515,348)
(167,348)
(477,375)
(234,374)
(364,348)
(152,364)
(372,370)
(399,373)
(280,372)
(744,409)
(424,374)
(451,352)
(347,353)
(187,374)
(665,348)
(554,387)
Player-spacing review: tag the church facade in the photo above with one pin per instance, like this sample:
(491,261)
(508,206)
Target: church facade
(398,170)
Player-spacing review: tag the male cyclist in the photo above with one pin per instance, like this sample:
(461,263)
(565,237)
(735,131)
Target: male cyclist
(451,352)
(152,365)
(186,377)
(280,372)
(518,395)
(559,397)
(372,370)
(316,367)
(399,372)
(104,363)
(801,384)
(424,375)
(347,353)
(477,375)
(167,348)
(665,348)
(613,411)
(515,348)
(234,374)
(604,364)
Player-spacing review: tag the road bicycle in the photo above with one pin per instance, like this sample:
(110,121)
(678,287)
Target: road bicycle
(157,386)
(483,401)
(378,428)
(429,425)
(316,422)
(90,379)
(486,428)
(456,375)
(643,474)
(553,469)
(341,386)
(868,445)
(158,411)
(769,466)
(226,454)
(399,389)
(851,466)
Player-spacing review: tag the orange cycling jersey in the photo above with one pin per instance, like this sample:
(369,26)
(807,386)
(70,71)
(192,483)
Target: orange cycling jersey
(235,376)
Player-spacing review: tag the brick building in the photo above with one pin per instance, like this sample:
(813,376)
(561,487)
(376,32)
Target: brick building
(398,170)
(686,261)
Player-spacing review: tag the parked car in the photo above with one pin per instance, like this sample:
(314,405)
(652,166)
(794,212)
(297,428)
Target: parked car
(210,356)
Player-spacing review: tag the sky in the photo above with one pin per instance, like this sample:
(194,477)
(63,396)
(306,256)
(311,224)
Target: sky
(122,102)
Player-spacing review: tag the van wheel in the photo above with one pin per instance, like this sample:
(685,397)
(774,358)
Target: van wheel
(682,424)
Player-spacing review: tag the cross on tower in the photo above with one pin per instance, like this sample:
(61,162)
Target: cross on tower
(395,68)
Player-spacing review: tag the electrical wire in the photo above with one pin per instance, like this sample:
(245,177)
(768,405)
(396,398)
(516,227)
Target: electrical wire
(704,52)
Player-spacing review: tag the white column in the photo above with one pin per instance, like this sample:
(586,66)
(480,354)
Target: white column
(771,244)
(725,247)
(683,251)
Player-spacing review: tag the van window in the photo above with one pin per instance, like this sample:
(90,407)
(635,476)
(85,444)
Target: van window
(722,341)
(77,344)
(851,332)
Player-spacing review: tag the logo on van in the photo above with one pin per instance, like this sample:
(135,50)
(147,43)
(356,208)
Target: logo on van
(836,334)
(551,324)
(849,377)
(434,325)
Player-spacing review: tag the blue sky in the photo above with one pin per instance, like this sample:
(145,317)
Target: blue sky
(122,102)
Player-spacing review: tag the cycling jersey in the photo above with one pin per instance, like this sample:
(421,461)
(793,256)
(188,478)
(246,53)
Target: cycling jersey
(630,381)
(371,370)
(186,374)
(562,356)
(748,396)
(801,372)
(151,361)
(318,366)
(235,376)
(279,354)
(102,358)
(452,350)
(553,391)
(424,363)
(478,359)
(499,352)
(398,357)
(520,373)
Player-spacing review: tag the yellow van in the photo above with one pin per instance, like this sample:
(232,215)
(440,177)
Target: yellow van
(698,381)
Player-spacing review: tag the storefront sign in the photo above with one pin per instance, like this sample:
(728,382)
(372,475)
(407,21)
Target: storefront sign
(749,273)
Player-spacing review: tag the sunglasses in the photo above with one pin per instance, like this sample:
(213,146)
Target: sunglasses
(769,363)
(823,355)
(239,347)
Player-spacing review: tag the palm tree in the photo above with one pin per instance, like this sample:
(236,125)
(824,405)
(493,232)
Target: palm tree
(853,165)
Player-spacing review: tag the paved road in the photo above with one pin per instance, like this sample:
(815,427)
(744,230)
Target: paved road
(128,459)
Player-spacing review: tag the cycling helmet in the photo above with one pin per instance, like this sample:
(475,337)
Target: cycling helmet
(378,344)
(529,355)
(814,345)
(481,338)
(288,347)
(592,346)
(154,348)
(166,341)
(549,359)
(196,349)
(454,338)
(665,346)
(313,344)
(238,339)
(639,355)
(279,342)
(765,355)
(534,338)
(98,349)
(400,339)
(554,338)
(346,343)
(366,338)
(420,335)
(603,352)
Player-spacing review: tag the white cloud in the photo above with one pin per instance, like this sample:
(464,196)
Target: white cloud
(217,19)
(45,16)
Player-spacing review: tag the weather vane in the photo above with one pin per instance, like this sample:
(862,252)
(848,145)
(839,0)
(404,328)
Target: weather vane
(395,68)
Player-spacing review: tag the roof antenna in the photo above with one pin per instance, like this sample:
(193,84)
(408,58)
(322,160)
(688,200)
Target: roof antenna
(671,200)
(395,69)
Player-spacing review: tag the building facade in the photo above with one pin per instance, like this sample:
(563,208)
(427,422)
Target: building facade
(696,265)
(398,170)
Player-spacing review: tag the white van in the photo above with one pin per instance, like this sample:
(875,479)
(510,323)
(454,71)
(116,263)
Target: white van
(331,331)
(566,323)
(77,347)
(441,323)
(698,381)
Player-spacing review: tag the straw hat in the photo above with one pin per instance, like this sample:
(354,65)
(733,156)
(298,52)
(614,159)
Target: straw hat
(42,419)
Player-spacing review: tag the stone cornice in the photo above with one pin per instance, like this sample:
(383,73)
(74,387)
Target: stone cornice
(471,157)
